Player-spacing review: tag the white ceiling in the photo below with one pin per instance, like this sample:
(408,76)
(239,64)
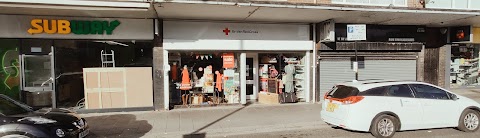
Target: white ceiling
(79,12)
(308,15)
(252,14)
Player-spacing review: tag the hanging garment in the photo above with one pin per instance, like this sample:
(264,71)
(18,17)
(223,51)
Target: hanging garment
(185,85)
(273,72)
(280,86)
(288,78)
(219,82)
(173,72)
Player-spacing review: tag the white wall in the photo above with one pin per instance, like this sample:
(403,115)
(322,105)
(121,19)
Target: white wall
(184,30)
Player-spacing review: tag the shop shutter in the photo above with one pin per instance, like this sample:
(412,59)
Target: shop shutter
(332,72)
(338,71)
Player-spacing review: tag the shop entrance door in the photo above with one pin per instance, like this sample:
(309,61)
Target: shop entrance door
(252,79)
(38,85)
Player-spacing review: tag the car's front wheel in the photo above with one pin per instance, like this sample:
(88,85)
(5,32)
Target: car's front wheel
(469,121)
(384,126)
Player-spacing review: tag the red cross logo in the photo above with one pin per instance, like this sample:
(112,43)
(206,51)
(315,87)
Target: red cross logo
(226,31)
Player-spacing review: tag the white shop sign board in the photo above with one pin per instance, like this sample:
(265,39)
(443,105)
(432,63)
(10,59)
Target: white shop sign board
(356,32)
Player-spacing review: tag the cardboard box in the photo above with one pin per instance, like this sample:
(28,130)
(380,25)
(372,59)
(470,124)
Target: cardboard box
(268,98)
(118,87)
(197,99)
(233,98)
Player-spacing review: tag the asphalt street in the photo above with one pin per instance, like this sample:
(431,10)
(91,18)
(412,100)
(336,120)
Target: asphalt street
(341,133)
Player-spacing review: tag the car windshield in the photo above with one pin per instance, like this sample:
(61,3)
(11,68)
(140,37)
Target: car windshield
(9,107)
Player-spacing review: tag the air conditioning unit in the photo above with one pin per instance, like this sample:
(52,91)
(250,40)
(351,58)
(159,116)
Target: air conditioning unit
(327,31)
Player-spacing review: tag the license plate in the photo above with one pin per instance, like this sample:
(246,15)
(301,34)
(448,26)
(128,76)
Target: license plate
(331,107)
(83,134)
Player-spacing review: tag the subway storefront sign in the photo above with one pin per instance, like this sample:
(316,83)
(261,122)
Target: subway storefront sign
(78,27)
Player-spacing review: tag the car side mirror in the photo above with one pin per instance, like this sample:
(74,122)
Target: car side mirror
(454,97)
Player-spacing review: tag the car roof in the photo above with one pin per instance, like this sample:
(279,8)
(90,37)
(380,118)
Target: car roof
(363,85)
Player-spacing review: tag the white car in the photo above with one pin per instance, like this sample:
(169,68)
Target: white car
(384,107)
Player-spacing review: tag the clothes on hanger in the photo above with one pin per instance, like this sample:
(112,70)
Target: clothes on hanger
(219,81)
(273,72)
(288,78)
(173,71)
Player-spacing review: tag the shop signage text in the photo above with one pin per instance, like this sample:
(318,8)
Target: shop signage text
(356,32)
(228,31)
(78,27)
(383,33)
(228,60)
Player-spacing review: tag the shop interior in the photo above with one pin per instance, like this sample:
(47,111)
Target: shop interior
(32,60)
(203,78)
(212,78)
(464,65)
(282,76)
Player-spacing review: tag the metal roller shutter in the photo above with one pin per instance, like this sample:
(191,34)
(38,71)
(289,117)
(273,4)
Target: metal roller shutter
(340,70)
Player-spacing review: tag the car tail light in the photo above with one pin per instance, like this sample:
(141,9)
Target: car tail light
(352,99)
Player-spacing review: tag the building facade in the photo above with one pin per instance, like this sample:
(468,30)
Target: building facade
(243,42)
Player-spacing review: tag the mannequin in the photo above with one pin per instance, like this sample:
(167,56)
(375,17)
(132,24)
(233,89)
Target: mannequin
(185,85)
(288,78)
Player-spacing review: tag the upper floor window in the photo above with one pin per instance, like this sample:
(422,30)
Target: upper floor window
(396,3)
(453,4)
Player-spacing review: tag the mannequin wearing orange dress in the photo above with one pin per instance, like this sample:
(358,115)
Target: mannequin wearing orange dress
(185,85)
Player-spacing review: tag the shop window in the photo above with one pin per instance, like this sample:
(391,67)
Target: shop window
(282,73)
(204,78)
(464,67)
(10,66)
(71,56)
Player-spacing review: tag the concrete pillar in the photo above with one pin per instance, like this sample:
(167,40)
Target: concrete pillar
(421,65)
(308,77)
(158,70)
(243,78)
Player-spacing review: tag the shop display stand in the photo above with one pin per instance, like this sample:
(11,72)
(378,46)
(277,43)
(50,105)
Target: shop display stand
(264,78)
(464,71)
(298,78)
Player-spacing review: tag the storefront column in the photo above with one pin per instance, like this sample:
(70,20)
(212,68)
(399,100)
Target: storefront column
(307,76)
(158,72)
(243,78)
(166,90)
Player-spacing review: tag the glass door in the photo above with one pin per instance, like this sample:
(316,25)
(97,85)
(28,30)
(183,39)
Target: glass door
(252,77)
(38,83)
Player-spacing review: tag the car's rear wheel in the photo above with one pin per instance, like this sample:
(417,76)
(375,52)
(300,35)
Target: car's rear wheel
(469,121)
(384,126)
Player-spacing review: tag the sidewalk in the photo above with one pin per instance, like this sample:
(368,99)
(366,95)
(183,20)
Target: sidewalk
(470,93)
(214,121)
(206,122)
